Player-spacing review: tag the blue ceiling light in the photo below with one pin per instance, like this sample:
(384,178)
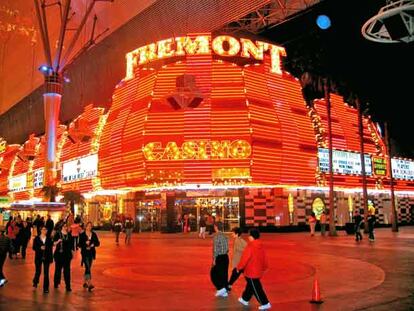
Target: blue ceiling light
(323,22)
(45,69)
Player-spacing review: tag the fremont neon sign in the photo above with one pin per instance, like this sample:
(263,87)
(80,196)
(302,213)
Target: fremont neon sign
(223,45)
(198,150)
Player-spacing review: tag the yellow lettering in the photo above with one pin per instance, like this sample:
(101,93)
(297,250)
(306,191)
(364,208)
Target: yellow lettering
(240,149)
(165,49)
(202,150)
(218,48)
(147,53)
(200,46)
(251,49)
(171,152)
(131,63)
(275,53)
(149,151)
(220,150)
(189,150)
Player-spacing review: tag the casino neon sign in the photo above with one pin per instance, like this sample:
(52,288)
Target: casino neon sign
(198,150)
(223,45)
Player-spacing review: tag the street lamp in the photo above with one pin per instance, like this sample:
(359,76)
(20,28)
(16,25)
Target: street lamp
(332,227)
(52,72)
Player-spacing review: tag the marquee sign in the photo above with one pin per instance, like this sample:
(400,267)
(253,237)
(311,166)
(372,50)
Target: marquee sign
(18,183)
(223,45)
(402,169)
(82,168)
(3,145)
(379,166)
(344,162)
(198,150)
(38,178)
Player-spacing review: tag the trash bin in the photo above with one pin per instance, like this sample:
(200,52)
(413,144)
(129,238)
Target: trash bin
(350,228)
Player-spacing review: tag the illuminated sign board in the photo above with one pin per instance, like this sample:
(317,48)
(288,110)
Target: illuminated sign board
(18,183)
(344,162)
(38,178)
(198,150)
(223,45)
(3,145)
(379,166)
(82,168)
(402,169)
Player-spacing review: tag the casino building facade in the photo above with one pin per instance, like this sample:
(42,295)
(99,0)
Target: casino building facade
(212,124)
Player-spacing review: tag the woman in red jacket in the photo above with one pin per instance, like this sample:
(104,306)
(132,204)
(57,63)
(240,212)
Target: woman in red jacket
(254,264)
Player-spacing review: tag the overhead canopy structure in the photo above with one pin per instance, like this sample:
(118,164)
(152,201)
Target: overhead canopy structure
(38,206)
(268,15)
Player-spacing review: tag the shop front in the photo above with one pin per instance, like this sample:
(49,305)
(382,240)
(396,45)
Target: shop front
(211,124)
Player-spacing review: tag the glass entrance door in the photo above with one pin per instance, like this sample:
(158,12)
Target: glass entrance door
(224,209)
(148,215)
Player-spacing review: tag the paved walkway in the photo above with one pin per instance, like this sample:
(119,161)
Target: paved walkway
(171,272)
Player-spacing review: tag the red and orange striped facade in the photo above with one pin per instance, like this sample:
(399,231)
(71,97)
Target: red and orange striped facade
(251,129)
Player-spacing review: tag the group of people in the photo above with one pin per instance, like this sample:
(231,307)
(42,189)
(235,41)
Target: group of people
(206,224)
(19,232)
(248,258)
(358,222)
(126,225)
(54,243)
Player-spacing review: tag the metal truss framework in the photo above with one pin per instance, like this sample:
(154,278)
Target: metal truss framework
(375,29)
(268,16)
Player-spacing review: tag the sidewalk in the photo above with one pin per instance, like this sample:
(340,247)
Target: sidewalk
(171,272)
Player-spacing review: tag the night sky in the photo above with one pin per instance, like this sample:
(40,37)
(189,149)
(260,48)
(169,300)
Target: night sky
(372,70)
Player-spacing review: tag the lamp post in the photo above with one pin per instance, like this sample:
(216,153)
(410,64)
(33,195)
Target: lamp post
(332,228)
(362,154)
(393,207)
(52,72)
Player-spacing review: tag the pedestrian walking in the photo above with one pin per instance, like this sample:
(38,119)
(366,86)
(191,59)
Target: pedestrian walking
(186,223)
(12,231)
(129,226)
(358,221)
(254,264)
(43,247)
(202,224)
(75,230)
(371,224)
(5,247)
(239,244)
(117,228)
(312,223)
(322,222)
(50,225)
(63,242)
(219,271)
(88,241)
(24,237)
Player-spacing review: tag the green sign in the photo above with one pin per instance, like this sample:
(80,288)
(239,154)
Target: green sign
(4,200)
(379,166)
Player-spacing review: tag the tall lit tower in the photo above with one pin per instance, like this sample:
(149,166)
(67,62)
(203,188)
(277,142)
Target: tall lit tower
(52,71)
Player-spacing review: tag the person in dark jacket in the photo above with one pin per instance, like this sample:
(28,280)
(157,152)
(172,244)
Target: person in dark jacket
(358,222)
(254,264)
(64,249)
(129,226)
(117,228)
(371,224)
(50,225)
(5,247)
(43,247)
(202,224)
(24,237)
(88,241)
